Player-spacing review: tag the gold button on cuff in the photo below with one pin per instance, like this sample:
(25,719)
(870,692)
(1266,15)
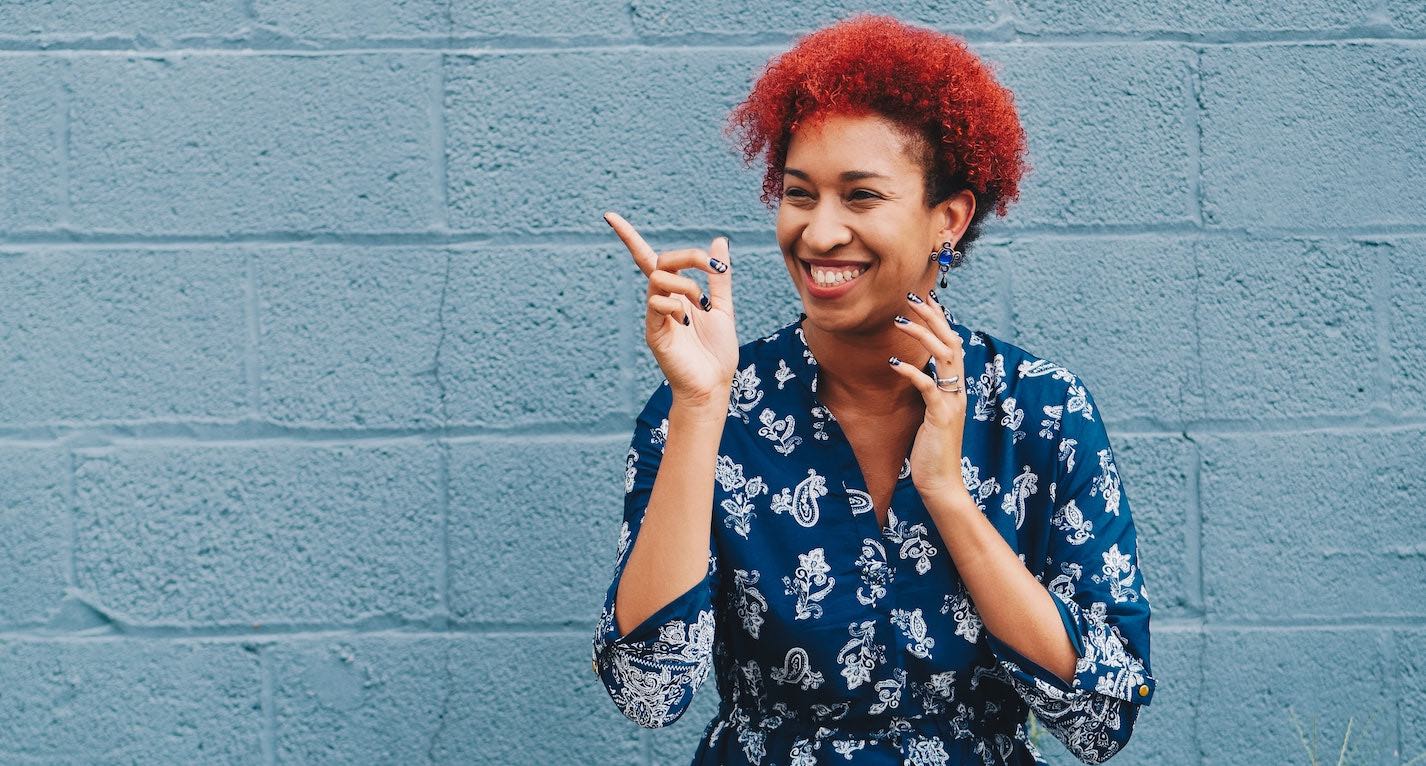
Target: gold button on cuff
(1144,690)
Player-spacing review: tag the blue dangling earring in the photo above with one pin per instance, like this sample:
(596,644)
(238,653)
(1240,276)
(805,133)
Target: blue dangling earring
(949,258)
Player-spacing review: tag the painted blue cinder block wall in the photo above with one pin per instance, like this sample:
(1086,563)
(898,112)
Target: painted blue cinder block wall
(318,364)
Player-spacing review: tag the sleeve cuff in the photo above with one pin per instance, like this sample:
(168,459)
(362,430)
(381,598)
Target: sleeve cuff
(685,608)
(1103,666)
(653,672)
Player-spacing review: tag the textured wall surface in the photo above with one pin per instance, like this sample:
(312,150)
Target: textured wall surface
(318,363)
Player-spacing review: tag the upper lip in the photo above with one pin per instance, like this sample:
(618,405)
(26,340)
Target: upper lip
(832,264)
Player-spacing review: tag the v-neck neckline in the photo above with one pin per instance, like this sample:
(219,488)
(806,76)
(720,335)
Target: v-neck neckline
(803,366)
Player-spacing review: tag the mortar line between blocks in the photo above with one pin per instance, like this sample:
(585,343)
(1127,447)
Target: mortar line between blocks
(66,216)
(1195,526)
(441,194)
(251,370)
(1381,320)
(268,735)
(443,571)
(71,563)
(1194,116)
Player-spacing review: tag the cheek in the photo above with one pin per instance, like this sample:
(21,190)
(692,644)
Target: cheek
(783,226)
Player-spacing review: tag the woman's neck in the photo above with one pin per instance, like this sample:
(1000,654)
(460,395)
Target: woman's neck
(853,371)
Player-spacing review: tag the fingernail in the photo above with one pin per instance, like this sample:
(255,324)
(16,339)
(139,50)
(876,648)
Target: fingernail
(932,293)
(606,220)
(894,361)
(902,320)
(717,265)
(685,319)
(912,297)
(705,303)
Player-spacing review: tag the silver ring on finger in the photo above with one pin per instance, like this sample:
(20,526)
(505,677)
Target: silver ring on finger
(947,384)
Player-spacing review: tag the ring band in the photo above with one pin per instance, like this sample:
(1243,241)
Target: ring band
(942,383)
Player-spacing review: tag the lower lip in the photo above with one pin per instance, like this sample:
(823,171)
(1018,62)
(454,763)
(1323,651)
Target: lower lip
(836,291)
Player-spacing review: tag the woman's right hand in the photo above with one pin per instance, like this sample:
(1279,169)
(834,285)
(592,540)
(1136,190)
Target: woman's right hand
(696,349)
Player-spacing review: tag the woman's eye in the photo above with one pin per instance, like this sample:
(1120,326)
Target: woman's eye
(869,195)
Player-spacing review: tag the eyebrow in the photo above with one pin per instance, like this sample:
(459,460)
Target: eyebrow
(850,175)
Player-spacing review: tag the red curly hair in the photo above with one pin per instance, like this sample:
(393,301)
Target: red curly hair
(926,81)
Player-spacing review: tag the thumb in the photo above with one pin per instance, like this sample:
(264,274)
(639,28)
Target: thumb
(720,286)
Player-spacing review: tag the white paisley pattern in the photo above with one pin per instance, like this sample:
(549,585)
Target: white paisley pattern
(838,639)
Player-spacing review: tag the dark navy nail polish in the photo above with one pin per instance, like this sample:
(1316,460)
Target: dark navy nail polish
(894,361)
(912,297)
(685,320)
(932,293)
(901,320)
(705,303)
(717,265)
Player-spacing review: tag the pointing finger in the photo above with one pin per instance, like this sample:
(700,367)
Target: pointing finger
(644,255)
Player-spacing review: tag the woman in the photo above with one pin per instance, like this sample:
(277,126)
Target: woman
(873,576)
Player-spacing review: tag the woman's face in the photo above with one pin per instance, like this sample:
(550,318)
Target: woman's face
(854,195)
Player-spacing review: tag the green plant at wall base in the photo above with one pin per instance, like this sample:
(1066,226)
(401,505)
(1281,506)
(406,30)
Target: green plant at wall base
(1311,748)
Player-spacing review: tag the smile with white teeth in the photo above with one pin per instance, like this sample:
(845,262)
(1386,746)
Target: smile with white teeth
(833,277)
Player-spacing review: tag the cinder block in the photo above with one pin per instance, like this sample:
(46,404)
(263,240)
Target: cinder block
(1256,681)
(130,701)
(349,337)
(1198,17)
(1411,659)
(549,141)
(533,336)
(1109,141)
(32,188)
(1322,525)
(1155,475)
(34,533)
(216,145)
(98,335)
(507,564)
(1119,312)
(1406,15)
(466,699)
(557,18)
(742,17)
(371,19)
(260,534)
(1304,136)
(1406,322)
(1286,328)
(161,22)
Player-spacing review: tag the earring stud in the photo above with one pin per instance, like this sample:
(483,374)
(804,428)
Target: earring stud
(949,258)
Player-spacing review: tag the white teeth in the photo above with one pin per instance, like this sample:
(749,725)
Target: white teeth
(831,278)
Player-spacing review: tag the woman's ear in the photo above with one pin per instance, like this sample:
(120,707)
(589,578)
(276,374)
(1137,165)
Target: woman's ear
(955,214)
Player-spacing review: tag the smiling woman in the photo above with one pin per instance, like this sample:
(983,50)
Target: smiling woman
(884,563)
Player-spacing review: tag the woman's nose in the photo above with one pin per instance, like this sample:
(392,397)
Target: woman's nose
(825,230)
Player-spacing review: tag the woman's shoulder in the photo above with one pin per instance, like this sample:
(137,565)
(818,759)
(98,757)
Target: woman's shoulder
(1001,369)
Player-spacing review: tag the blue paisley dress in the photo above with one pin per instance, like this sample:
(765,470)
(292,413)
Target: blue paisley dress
(836,640)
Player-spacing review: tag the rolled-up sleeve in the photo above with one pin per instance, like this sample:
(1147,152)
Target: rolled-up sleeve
(652,673)
(1093,574)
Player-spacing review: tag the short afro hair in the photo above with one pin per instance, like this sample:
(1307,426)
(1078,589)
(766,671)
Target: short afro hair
(929,83)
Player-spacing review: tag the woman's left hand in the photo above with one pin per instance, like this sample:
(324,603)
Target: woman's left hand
(936,455)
